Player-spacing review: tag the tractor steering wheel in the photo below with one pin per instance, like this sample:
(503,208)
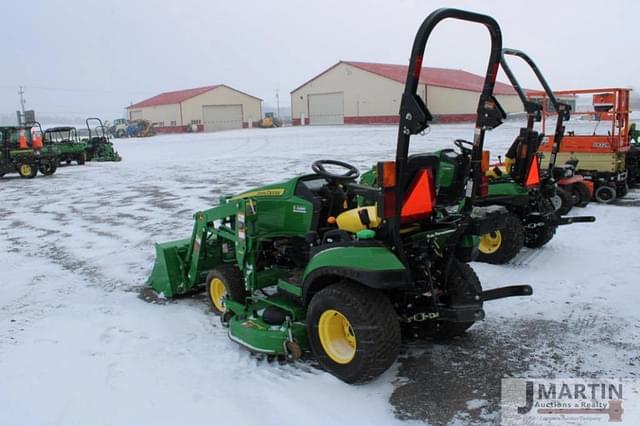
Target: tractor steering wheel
(460,143)
(351,172)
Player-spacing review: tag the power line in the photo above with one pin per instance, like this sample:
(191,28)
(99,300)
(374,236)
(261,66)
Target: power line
(66,89)
(79,90)
(79,112)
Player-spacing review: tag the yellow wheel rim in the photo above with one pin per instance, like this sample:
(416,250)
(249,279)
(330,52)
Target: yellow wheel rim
(490,243)
(217,291)
(25,169)
(337,337)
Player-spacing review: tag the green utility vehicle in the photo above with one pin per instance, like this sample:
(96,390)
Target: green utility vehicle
(531,195)
(323,264)
(69,146)
(21,152)
(99,145)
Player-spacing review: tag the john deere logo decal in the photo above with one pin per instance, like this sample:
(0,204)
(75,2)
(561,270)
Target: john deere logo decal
(276,192)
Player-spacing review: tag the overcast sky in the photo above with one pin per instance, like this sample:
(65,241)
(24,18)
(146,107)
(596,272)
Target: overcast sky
(88,57)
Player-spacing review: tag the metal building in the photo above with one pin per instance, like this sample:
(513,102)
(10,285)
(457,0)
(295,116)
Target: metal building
(363,93)
(207,109)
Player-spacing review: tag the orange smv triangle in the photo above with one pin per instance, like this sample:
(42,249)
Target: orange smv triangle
(419,199)
(533,177)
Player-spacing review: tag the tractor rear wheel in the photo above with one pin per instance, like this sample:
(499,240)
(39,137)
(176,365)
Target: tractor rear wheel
(504,244)
(27,171)
(463,288)
(580,194)
(225,281)
(353,331)
(540,235)
(562,201)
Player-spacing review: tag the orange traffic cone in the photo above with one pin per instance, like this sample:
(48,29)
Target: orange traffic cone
(37,141)
(22,140)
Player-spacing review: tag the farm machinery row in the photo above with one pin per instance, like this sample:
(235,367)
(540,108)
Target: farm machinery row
(28,149)
(344,266)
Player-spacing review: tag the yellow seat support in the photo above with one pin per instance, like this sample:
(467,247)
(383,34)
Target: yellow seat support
(350,220)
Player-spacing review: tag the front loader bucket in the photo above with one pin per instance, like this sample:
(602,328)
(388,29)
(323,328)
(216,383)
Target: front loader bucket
(167,277)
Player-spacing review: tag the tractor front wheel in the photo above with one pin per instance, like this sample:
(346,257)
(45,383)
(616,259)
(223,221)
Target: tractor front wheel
(48,168)
(353,331)
(562,201)
(81,158)
(540,235)
(27,171)
(504,244)
(225,281)
(463,288)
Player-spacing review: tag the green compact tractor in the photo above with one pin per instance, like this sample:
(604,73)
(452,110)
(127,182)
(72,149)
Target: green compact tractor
(21,152)
(69,146)
(531,195)
(322,264)
(99,145)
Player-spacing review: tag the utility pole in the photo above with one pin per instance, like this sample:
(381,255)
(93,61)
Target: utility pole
(22,102)
(278,102)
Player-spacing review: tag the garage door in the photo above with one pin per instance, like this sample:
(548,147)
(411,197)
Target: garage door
(326,108)
(135,115)
(221,117)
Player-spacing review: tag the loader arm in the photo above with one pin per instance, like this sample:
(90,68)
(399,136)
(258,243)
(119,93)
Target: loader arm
(180,264)
(203,231)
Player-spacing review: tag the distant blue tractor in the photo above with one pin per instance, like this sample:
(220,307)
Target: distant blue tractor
(122,127)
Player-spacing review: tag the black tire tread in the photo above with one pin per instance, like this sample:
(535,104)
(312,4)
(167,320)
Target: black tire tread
(567,201)
(581,192)
(34,171)
(233,280)
(537,237)
(510,246)
(463,286)
(374,306)
(604,188)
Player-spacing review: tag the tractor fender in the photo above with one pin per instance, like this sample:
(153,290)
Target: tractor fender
(570,180)
(372,266)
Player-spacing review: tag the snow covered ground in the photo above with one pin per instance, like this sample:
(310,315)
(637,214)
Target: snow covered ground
(78,346)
